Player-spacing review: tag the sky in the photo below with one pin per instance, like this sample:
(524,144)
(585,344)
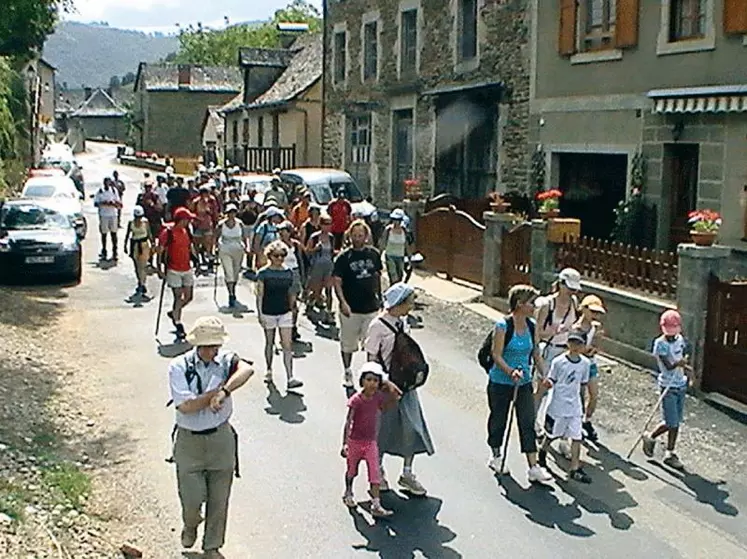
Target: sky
(163,15)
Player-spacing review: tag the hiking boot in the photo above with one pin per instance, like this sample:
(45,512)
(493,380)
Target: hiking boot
(579,475)
(347,379)
(294,383)
(189,536)
(590,434)
(102,255)
(377,511)
(673,462)
(538,474)
(409,483)
(349,501)
(542,458)
(649,445)
(114,257)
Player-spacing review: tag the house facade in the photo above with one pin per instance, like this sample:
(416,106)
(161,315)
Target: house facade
(213,130)
(655,89)
(435,91)
(276,121)
(170,103)
(101,117)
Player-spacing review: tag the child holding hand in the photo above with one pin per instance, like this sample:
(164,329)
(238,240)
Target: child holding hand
(359,435)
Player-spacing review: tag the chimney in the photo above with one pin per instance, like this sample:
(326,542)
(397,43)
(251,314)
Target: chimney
(88,91)
(185,74)
(289,32)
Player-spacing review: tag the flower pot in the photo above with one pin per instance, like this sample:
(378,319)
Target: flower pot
(547,214)
(499,207)
(703,238)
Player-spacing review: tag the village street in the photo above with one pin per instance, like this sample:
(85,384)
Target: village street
(287,502)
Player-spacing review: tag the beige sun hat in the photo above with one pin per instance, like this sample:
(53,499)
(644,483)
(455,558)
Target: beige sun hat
(207,330)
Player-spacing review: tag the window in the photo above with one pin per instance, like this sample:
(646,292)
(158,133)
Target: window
(360,139)
(408,40)
(245,132)
(235,132)
(467,29)
(686,20)
(598,17)
(260,131)
(340,54)
(370,51)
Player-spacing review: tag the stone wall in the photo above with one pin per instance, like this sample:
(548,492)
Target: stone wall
(503,31)
(111,128)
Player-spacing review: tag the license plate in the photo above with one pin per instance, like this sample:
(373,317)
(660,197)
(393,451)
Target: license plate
(40,260)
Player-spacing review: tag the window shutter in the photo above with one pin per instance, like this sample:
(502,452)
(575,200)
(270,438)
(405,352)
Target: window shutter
(567,35)
(626,24)
(735,16)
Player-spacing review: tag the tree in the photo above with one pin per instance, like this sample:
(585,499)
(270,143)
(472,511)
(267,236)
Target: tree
(202,45)
(25,24)
(128,78)
(114,82)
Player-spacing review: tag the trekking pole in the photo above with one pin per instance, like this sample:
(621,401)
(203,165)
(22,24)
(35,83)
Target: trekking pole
(650,417)
(507,434)
(215,286)
(160,308)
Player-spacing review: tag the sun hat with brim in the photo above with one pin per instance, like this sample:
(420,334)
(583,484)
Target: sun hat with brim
(231,208)
(285,226)
(670,323)
(183,213)
(397,215)
(138,211)
(207,331)
(397,294)
(571,278)
(274,211)
(593,303)
(371,367)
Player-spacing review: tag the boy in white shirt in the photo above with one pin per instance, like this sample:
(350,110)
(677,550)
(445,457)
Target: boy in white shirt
(568,376)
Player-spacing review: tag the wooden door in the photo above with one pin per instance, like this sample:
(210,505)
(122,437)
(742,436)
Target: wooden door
(681,175)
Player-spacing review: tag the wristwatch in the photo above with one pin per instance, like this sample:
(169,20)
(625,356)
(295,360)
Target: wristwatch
(226,391)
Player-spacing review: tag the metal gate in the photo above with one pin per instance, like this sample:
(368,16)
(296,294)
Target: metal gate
(451,242)
(516,256)
(725,350)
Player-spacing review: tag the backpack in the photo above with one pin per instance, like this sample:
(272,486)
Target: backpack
(408,368)
(485,353)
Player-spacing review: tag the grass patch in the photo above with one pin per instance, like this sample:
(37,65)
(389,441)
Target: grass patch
(69,483)
(13,499)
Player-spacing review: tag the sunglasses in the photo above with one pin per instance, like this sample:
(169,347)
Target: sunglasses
(278,255)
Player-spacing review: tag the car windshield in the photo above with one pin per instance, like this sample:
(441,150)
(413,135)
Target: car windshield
(324,192)
(39,191)
(57,164)
(31,217)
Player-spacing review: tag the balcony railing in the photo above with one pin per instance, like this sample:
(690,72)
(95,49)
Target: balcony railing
(265,159)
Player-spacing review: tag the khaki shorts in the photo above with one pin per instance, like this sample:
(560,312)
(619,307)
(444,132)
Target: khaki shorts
(177,280)
(272,321)
(353,330)
(108,224)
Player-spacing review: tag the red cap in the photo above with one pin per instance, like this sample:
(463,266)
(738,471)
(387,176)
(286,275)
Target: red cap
(183,213)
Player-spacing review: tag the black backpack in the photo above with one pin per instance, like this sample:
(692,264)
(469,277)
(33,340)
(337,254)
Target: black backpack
(408,368)
(485,353)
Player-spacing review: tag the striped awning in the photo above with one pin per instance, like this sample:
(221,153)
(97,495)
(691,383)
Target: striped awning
(712,99)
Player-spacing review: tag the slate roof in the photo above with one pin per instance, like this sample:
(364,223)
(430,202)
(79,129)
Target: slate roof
(234,104)
(276,58)
(99,104)
(165,77)
(304,70)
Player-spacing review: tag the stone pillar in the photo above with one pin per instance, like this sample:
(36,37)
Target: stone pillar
(495,226)
(414,209)
(694,267)
(543,256)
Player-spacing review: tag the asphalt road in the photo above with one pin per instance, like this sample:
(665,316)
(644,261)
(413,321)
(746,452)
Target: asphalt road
(287,503)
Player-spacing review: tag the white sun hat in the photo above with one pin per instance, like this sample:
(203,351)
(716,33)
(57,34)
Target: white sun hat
(207,331)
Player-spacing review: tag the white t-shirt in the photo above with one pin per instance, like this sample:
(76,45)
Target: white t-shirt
(161,190)
(567,377)
(107,195)
(673,351)
(231,238)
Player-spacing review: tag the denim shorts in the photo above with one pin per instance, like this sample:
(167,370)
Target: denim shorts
(673,407)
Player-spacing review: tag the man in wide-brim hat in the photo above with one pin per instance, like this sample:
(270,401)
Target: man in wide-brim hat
(201,383)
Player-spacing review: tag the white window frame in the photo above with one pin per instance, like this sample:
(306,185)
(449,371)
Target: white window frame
(406,6)
(708,42)
(340,28)
(360,153)
(464,66)
(370,17)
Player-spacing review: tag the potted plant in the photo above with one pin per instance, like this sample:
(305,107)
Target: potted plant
(412,189)
(704,226)
(497,203)
(549,203)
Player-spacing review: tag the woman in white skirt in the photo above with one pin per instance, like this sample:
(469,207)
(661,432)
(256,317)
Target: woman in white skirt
(402,429)
(232,246)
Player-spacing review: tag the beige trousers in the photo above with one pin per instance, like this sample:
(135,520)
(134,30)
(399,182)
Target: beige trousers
(204,473)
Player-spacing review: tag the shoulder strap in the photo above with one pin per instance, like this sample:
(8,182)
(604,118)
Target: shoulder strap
(190,372)
(394,329)
(509,333)
(531,327)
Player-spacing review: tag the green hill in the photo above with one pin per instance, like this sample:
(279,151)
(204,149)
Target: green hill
(90,54)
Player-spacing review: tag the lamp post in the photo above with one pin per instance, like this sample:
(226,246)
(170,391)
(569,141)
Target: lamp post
(31,74)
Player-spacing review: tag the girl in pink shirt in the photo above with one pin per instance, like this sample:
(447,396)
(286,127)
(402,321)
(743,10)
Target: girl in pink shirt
(359,436)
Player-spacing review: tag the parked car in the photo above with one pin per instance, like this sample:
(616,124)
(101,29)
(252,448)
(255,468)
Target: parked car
(37,240)
(252,182)
(65,161)
(59,192)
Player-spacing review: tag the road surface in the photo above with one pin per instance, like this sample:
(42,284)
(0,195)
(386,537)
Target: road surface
(287,503)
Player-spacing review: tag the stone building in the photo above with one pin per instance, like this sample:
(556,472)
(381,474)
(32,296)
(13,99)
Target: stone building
(654,89)
(170,103)
(276,121)
(101,117)
(437,91)
(213,131)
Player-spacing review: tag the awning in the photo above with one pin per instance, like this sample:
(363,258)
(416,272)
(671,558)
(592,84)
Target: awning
(464,88)
(715,99)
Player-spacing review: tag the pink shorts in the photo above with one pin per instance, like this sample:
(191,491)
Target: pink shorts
(368,451)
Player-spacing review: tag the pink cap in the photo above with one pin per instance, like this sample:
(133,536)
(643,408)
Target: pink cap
(670,323)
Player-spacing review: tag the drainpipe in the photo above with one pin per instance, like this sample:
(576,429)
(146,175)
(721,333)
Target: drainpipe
(325,23)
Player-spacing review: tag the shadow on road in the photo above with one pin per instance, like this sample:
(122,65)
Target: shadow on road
(610,461)
(703,490)
(543,508)
(287,408)
(412,529)
(31,306)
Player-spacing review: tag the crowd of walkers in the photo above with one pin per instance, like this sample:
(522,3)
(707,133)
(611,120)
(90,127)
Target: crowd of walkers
(539,358)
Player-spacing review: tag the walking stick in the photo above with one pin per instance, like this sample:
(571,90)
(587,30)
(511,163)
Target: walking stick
(650,417)
(215,286)
(160,309)
(507,434)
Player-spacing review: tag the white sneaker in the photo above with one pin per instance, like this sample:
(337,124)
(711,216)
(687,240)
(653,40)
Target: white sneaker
(495,464)
(347,381)
(564,447)
(539,474)
(409,483)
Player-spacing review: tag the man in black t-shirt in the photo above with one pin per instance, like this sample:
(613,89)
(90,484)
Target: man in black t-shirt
(357,279)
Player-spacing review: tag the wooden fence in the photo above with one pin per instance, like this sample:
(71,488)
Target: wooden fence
(265,159)
(622,266)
